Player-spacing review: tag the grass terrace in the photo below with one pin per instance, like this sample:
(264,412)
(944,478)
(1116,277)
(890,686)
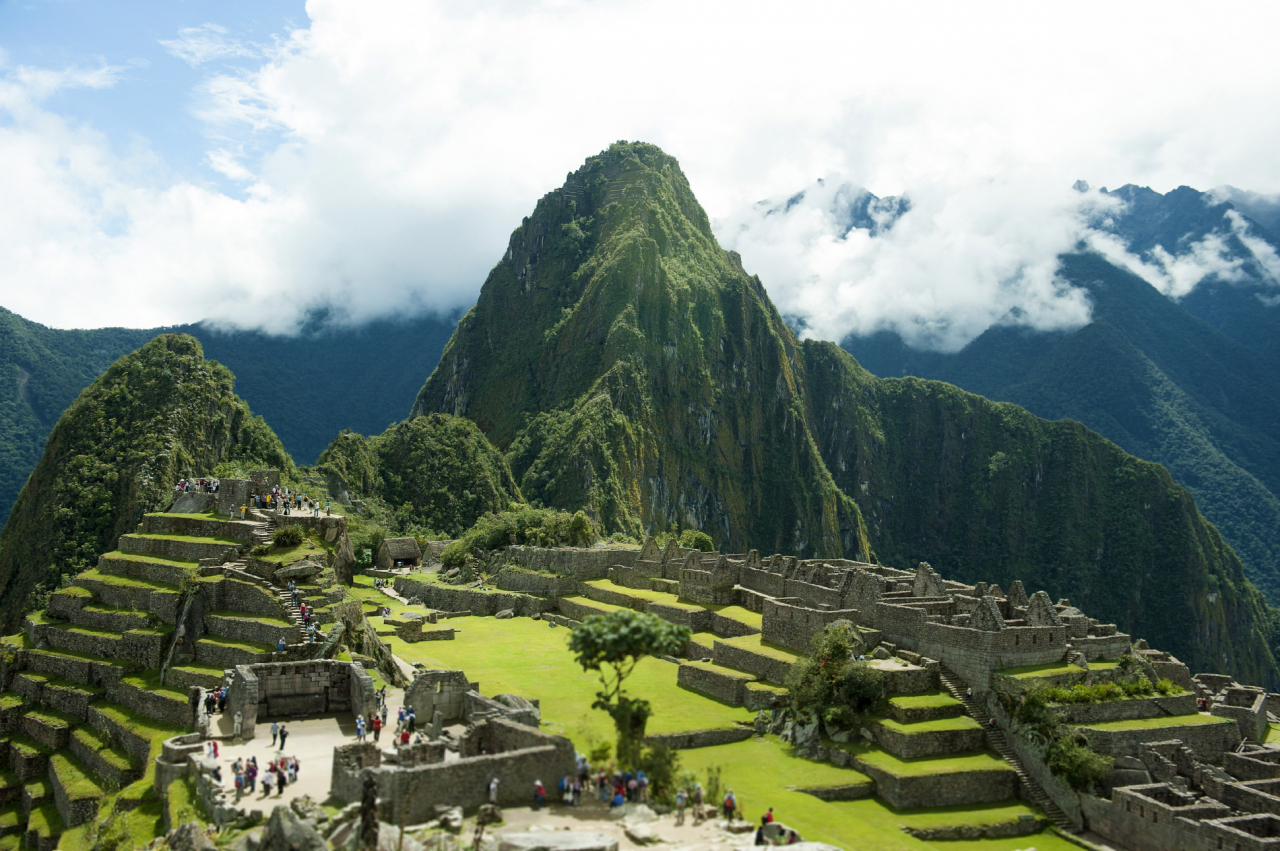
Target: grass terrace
(190,539)
(128,556)
(928,765)
(1195,720)
(939,725)
(739,614)
(755,644)
(931,700)
(1051,669)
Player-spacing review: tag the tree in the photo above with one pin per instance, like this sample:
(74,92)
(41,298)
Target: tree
(613,644)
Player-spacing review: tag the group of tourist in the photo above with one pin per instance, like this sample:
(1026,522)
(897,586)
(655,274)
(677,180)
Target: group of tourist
(623,787)
(215,700)
(196,486)
(279,774)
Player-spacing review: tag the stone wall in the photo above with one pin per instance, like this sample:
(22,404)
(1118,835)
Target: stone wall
(940,790)
(448,598)
(701,738)
(1060,792)
(173,548)
(720,683)
(160,524)
(141,647)
(911,745)
(248,629)
(411,792)
(284,689)
(330,527)
(1253,765)
(152,705)
(793,626)
(1120,710)
(442,691)
(580,563)
(1209,741)
(526,581)
(1133,819)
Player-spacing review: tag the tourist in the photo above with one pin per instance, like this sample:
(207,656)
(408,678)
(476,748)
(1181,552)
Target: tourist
(376,723)
(730,805)
(217,774)
(400,719)
(697,803)
(681,800)
(311,633)
(413,719)
(968,695)
(268,780)
(280,645)
(251,774)
(222,699)
(760,840)
(360,728)
(284,734)
(539,794)
(281,782)
(493,791)
(991,724)
(767,818)
(275,732)
(384,706)
(404,738)
(577,792)
(239,781)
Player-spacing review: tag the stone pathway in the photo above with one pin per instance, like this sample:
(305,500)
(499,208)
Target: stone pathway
(594,817)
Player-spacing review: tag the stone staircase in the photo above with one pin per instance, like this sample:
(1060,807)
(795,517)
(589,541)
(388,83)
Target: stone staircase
(996,739)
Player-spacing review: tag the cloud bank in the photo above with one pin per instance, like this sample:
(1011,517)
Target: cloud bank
(376,159)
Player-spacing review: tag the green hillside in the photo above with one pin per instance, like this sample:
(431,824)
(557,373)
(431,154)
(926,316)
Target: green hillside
(41,371)
(1158,381)
(629,365)
(437,473)
(156,415)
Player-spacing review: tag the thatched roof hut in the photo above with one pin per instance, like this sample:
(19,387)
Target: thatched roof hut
(398,552)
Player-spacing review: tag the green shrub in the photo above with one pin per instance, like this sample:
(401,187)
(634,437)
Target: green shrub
(1073,761)
(288,536)
(521,524)
(1164,685)
(830,683)
(696,540)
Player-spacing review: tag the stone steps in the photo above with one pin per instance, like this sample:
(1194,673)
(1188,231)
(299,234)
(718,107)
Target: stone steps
(996,739)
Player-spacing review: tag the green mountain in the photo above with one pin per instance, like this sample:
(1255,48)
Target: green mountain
(155,415)
(627,364)
(438,473)
(41,371)
(308,386)
(1150,376)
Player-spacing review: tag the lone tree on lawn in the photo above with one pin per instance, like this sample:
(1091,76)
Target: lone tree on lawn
(613,644)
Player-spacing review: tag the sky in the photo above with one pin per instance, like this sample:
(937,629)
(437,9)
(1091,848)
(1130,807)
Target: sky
(249,162)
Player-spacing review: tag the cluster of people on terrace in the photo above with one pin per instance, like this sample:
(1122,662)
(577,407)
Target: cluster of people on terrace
(202,485)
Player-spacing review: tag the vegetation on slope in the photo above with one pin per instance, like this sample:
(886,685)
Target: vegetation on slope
(631,367)
(41,371)
(437,473)
(156,415)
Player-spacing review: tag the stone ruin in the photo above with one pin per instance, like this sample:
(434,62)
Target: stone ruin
(501,739)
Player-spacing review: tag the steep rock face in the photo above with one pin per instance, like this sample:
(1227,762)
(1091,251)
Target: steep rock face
(996,494)
(437,472)
(156,415)
(632,367)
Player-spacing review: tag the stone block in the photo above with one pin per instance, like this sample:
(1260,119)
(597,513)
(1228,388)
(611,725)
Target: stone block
(723,684)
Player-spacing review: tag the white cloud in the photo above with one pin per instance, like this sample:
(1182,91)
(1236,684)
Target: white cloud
(198,45)
(1175,273)
(385,151)
(1263,252)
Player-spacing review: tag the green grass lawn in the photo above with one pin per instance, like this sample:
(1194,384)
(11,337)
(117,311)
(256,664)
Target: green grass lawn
(754,644)
(930,700)
(528,658)
(921,766)
(645,594)
(960,722)
(760,771)
(1049,670)
(124,556)
(1195,720)
(739,614)
(192,539)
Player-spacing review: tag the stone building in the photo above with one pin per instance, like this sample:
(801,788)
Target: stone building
(398,552)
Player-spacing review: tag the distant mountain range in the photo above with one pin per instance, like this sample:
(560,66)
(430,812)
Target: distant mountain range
(1192,382)
(308,387)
